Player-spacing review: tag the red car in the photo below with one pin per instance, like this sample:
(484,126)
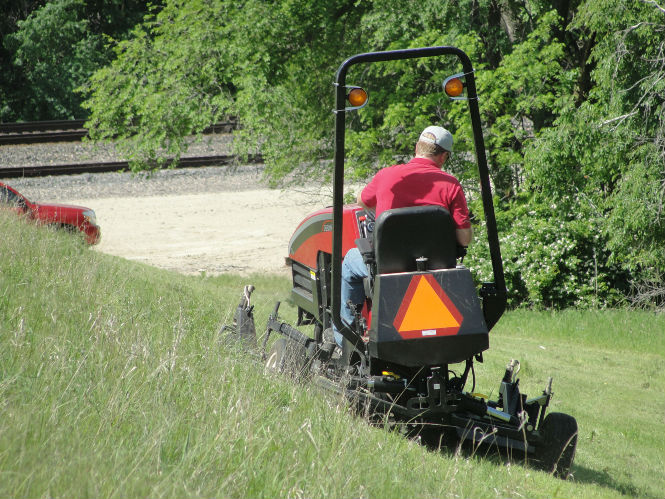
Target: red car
(66,216)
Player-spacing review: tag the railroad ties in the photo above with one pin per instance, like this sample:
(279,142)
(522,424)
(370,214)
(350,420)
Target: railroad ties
(73,130)
(43,171)
(34,132)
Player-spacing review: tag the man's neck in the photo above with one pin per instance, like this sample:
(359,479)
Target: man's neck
(437,160)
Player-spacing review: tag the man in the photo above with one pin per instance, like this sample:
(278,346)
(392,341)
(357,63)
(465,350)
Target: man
(419,182)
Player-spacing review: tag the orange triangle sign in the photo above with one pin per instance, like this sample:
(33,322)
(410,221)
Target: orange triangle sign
(426,310)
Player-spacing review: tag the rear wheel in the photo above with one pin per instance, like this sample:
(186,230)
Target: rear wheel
(557,451)
(287,357)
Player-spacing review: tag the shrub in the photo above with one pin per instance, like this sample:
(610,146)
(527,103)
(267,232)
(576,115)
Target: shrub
(553,256)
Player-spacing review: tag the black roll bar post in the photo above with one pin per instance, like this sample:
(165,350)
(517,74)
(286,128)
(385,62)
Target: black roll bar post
(338,177)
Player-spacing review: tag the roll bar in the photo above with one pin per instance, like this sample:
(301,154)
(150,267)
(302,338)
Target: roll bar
(494,294)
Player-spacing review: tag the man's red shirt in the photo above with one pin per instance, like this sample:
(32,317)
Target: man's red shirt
(420,182)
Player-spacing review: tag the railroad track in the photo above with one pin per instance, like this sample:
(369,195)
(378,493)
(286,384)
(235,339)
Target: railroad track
(34,132)
(42,131)
(72,169)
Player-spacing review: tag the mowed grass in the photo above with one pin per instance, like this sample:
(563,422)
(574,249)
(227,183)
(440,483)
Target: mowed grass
(114,382)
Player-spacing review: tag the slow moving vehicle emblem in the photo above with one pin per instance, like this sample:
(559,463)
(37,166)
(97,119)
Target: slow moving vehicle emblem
(426,310)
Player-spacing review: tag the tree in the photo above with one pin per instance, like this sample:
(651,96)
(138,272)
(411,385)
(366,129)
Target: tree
(606,156)
(56,53)
(11,80)
(170,79)
(197,61)
(55,49)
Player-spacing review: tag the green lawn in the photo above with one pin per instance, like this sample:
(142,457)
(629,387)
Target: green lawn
(114,383)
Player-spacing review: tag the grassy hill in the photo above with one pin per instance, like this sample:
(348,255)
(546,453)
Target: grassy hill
(114,383)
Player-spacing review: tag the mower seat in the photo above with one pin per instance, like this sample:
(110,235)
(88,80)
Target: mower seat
(429,315)
(402,235)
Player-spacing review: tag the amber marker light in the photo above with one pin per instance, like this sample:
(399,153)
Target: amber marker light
(357,97)
(454,87)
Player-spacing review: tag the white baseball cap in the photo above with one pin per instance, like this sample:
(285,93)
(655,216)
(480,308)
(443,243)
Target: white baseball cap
(439,136)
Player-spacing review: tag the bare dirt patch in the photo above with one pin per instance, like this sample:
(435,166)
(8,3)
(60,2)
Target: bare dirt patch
(233,231)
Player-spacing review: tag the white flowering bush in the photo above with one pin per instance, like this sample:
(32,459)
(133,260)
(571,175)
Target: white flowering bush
(552,257)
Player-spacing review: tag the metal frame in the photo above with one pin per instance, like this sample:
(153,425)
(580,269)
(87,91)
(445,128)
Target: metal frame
(494,294)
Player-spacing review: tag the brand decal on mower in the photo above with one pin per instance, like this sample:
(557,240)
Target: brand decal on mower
(426,310)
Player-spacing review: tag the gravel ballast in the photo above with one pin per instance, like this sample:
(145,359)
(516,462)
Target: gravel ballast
(100,185)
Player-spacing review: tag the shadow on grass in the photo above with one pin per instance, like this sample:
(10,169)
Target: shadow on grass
(582,474)
(579,474)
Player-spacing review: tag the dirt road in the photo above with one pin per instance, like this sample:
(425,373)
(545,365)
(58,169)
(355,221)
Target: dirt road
(240,232)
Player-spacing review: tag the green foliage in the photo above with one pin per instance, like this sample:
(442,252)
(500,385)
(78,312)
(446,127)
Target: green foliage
(54,50)
(12,81)
(636,226)
(553,256)
(284,100)
(160,89)
(609,151)
(195,62)
(522,96)
(57,53)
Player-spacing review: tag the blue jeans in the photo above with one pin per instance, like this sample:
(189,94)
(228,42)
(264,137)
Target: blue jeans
(354,271)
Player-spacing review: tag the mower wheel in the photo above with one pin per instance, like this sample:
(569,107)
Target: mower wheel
(288,357)
(557,452)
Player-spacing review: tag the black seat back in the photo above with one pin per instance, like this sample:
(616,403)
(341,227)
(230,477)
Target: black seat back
(402,235)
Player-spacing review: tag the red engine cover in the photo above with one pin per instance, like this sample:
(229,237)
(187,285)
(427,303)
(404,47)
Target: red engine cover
(314,234)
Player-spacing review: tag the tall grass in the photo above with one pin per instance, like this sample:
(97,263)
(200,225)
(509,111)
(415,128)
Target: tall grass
(114,383)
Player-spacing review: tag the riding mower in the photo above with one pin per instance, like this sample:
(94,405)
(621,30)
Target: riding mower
(423,313)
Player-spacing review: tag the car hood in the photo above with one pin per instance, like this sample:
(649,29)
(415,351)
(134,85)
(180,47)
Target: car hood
(54,206)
